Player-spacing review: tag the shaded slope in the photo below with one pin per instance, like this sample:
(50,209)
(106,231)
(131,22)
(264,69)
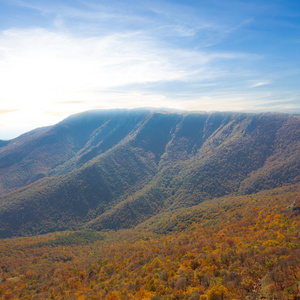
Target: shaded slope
(68,201)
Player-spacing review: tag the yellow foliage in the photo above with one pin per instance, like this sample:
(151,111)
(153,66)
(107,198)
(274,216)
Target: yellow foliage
(280,237)
(192,255)
(218,292)
(270,243)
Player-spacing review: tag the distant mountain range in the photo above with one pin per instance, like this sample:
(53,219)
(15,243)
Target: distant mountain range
(113,169)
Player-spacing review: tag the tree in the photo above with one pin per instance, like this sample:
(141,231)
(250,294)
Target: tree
(218,292)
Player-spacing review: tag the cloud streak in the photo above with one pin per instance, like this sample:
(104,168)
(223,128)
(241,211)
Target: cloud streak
(261,83)
(48,66)
(7,111)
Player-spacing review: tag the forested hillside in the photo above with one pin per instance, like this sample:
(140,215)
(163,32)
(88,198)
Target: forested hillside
(115,169)
(233,247)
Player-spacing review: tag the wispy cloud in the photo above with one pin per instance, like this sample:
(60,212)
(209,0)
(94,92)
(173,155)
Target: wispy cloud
(58,67)
(260,83)
(43,63)
(7,111)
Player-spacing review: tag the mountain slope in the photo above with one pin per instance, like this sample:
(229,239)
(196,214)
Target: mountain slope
(115,169)
(59,149)
(231,243)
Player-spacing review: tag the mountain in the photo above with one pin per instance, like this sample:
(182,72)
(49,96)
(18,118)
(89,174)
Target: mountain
(114,169)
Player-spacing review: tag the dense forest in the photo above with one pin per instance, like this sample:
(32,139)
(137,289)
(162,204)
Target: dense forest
(234,247)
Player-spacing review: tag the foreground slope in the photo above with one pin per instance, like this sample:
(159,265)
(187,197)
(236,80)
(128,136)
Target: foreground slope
(233,247)
(116,169)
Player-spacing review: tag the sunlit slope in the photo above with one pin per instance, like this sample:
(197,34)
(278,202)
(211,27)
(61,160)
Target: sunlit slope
(61,148)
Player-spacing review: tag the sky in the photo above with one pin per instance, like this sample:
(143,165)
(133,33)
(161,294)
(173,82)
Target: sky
(62,57)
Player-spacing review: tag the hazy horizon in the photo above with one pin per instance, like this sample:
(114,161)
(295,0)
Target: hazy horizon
(154,109)
(63,57)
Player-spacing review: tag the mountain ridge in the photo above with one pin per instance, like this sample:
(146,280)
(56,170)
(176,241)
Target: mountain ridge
(97,168)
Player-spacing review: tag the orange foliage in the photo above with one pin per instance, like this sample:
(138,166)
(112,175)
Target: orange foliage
(235,248)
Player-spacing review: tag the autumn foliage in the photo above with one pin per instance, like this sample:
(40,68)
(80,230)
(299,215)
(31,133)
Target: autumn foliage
(237,247)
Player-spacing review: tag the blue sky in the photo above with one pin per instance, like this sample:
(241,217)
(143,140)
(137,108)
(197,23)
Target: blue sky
(62,57)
